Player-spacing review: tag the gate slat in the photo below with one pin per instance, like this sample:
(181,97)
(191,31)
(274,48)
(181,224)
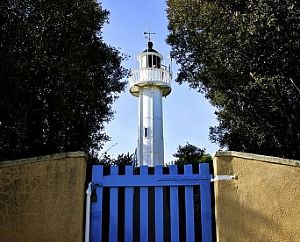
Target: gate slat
(159,208)
(174,208)
(96,207)
(113,215)
(128,231)
(143,208)
(206,210)
(189,208)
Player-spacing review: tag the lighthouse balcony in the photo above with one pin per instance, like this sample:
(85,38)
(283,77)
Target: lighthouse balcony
(142,77)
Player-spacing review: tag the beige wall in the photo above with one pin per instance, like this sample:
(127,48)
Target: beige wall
(42,199)
(263,204)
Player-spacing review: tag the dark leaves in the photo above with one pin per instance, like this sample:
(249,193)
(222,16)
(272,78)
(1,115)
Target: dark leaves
(190,154)
(57,78)
(244,56)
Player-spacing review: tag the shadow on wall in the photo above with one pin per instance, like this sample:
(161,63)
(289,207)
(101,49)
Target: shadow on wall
(237,228)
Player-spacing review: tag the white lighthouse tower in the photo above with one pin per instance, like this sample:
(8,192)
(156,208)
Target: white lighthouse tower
(150,82)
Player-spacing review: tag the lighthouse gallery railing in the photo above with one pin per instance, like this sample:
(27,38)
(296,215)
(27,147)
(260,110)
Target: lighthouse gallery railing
(150,75)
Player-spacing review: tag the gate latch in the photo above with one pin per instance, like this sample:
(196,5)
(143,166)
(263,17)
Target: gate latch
(94,197)
(223,178)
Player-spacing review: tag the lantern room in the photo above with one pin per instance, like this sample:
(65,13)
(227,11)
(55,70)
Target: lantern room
(150,58)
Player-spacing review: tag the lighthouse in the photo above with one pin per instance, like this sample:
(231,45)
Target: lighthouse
(150,82)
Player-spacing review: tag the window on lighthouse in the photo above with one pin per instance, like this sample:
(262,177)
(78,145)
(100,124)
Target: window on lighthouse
(150,57)
(157,61)
(153,61)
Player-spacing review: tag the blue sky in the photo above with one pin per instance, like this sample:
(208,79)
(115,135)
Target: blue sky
(187,114)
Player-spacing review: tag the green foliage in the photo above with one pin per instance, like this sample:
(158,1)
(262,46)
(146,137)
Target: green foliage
(121,160)
(58,78)
(243,54)
(191,154)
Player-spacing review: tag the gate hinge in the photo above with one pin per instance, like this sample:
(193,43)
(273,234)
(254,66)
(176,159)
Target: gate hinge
(223,178)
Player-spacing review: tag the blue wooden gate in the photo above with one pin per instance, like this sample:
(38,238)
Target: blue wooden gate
(144,181)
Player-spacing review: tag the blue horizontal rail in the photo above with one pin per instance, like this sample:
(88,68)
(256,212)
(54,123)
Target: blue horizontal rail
(152,180)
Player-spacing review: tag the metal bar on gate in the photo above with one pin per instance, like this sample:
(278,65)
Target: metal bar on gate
(88,213)
(223,178)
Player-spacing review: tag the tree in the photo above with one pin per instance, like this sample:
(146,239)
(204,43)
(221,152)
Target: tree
(243,56)
(58,78)
(190,154)
(121,160)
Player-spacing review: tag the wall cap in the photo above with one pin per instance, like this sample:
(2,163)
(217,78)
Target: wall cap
(57,156)
(263,158)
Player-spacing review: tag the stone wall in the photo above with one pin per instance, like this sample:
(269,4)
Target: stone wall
(262,204)
(42,198)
